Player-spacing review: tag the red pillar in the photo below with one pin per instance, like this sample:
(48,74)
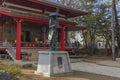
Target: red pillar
(18,38)
(1,30)
(44,37)
(66,34)
(62,39)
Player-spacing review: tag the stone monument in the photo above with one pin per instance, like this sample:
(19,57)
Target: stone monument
(53,61)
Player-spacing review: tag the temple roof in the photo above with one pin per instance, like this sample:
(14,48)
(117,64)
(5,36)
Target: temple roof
(41,7)
(38,11)
(26,16)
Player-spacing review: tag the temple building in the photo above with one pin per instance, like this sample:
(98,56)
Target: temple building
(24,25)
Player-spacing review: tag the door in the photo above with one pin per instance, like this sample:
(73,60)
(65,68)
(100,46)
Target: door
(27,36)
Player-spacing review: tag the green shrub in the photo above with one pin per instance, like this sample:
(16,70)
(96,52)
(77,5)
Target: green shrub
(12,69)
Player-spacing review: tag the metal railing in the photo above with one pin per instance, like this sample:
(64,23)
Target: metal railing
(10,50)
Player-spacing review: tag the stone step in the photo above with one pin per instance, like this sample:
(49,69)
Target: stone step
(34,53)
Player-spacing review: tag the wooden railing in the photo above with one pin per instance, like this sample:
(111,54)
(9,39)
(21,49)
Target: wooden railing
(30,44)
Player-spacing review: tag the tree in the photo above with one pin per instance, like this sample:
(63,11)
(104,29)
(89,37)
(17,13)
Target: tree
(97,21)
(115,30)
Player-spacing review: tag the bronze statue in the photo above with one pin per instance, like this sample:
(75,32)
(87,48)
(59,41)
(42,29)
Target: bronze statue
(54,31)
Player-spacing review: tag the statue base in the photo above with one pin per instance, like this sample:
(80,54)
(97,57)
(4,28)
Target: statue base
(53,62)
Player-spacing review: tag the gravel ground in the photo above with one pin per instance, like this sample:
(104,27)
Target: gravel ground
(75,75)
(81,71)
(6,76)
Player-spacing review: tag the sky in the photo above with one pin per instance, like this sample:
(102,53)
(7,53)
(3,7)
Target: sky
(53,0)
(102,1)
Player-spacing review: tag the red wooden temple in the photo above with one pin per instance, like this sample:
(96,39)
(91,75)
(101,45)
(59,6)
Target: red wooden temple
(16,16)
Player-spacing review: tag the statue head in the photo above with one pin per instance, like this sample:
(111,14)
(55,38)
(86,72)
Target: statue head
(53,20)
(55,15)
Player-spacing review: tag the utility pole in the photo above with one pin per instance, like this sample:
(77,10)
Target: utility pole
(113,31)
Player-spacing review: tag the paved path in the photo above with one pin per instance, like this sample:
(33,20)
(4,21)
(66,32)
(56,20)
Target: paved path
(97,69)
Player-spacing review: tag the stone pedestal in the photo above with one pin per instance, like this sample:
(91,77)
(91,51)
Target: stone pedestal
(53,62)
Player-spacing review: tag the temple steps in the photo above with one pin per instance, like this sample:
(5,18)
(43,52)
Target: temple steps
(33,55)
(4,54)
(33,52)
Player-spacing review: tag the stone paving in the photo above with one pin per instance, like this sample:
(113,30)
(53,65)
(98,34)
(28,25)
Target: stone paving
(104,61)
(95,68)
(110,63)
